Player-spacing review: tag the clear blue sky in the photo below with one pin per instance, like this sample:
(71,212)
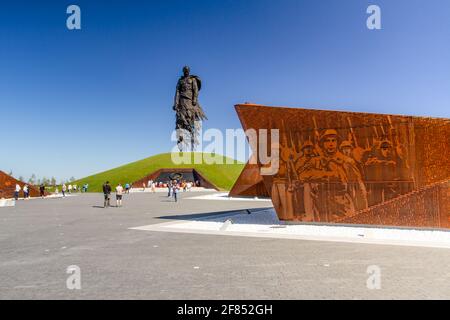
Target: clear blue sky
(78,102)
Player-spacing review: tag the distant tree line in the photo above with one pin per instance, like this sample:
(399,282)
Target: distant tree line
(33,180)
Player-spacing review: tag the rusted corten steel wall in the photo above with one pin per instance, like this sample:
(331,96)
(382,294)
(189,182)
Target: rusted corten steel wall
(204,182)
(249,183)
(334,166)
(426,207)
(8,186)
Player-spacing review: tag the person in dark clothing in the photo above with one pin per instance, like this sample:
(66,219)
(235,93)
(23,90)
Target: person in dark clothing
(106,193)
(169,188)
(42,190)
(175,192)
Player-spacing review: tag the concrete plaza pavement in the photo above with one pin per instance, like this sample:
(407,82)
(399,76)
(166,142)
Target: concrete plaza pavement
(39,239)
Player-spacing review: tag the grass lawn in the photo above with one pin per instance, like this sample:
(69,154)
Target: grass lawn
(222,175)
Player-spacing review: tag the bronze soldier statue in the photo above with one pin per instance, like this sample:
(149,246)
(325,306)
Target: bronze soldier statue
(189,113)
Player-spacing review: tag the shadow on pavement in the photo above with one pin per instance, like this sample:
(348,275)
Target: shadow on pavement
(217,215)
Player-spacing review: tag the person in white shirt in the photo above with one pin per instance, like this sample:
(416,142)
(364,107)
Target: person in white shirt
(119,195)
(63,189)
(153,187)
(17,191)
(175,191)
(25,192)
(70,188)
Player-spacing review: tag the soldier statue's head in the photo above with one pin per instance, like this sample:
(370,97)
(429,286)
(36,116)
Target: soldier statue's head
(346,148)
(329,141)
(186,71)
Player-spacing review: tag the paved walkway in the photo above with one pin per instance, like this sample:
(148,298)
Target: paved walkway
(165,190)
(40,239)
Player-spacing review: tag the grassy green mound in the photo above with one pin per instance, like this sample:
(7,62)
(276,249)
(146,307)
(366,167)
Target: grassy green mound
(222,175)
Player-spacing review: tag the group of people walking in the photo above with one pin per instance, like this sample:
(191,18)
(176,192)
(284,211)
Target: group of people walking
(26,191)
(150,184)
(73,188)
(182,185)
(173,189)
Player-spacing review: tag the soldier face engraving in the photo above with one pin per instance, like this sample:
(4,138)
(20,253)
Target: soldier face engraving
(308,151)
(386,151)
(347,151)
(330,144)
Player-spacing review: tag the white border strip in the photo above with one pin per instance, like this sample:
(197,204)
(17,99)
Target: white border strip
(345,234)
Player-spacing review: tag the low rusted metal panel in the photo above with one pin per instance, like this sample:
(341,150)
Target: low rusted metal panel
(8,186)
(335,166)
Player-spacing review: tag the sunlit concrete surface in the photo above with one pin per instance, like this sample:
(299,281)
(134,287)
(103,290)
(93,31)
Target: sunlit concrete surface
(40,239)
